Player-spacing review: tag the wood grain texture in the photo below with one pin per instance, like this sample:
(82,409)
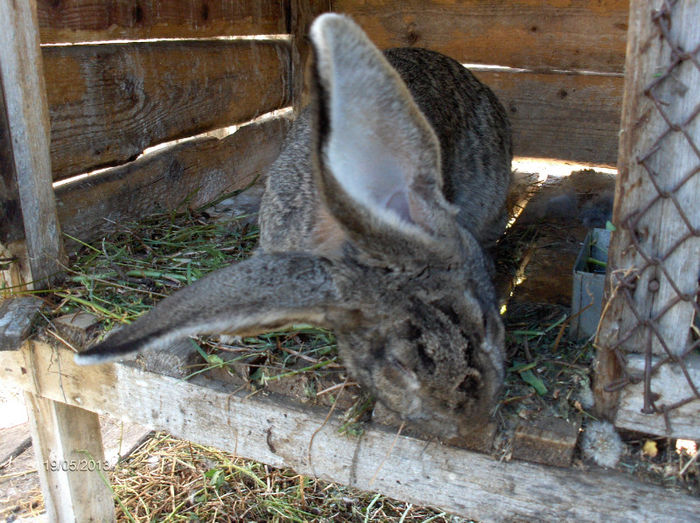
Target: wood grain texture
(671,385)
(302,13)
(68,437)
(564,116)
(16,318)
(91,20)
(11,224)
(109,102)
(661,234)
(13,442)
(27,119)
(547,439)
(661,227)
(661,231)
(198,171)
(560,34)
(270,430)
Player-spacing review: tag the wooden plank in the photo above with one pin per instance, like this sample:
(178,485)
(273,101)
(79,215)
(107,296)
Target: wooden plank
(11,225)
(13,441)
(78,328)
(565,116)
(27,120)
(671,386)
(69,458)
(302,13)
(640,293)
(91,20)
(19,479)
(546,440)
(17,316)
(570,34)
(284,434)
(110,102)
(19,483)
(200,170)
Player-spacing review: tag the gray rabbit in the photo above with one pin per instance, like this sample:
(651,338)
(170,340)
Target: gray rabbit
(372,223)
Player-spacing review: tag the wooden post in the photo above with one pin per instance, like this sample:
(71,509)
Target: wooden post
(72,492)
(653,248)
(302,13)
(28,123)
(70,460)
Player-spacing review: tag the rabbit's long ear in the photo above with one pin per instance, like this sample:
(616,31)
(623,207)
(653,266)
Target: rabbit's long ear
(265,292)
(379,158)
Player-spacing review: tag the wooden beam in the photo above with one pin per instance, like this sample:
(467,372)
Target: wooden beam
(302,13)
(110,102)
(573,35)
(17,315)
(280,433)
(653,254)
(87,20)
(28,124)
(671,386)
(196,171)
(565,116)
(68,452)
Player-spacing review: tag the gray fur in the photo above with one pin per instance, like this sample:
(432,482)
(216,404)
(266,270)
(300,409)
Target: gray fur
(371,225)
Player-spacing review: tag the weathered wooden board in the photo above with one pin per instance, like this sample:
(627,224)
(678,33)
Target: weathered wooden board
(569,34)
(13,441)
(91,20)
(11,225)
(68,452)
(672,386)
(565,116)
(301,14)
(198,171)
(656,225)
(27,126)
(268,430)
(548,440)
(16,318)
(19,480)
(109,102)
(653,247)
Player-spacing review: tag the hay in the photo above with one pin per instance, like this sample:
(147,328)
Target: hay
(172,480)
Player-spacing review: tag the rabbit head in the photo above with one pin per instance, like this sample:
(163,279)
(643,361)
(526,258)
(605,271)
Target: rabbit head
(357,236)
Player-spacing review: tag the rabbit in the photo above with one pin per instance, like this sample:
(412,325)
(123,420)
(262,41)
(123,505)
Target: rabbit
(372,225)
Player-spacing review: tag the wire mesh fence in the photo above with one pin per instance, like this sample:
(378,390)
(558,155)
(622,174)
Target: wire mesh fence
(653,306)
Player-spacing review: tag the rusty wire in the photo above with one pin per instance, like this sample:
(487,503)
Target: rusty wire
(625,281)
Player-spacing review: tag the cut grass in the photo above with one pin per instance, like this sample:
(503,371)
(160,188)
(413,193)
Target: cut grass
(125,274)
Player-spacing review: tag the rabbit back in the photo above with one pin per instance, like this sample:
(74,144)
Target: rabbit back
(475,146)
(474,135)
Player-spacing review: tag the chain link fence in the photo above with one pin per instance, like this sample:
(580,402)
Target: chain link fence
(653,308)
